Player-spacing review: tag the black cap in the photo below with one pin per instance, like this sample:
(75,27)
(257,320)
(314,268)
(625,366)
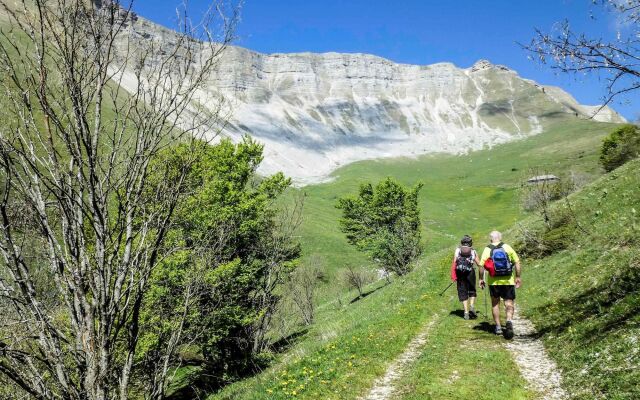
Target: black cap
(466,241)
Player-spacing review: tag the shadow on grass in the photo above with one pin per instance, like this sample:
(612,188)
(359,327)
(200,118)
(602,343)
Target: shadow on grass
(287,342)
(603,308)
(367,293)
(198,383)
(460,313)
(484,326)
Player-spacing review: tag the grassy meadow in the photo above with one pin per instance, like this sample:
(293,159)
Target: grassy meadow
(351,342)
(471,193)
(582,295)
(584,298)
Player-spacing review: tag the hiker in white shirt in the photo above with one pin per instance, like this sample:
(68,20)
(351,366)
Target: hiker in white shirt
(464,274)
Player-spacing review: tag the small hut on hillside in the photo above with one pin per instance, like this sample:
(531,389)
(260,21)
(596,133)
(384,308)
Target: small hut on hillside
(543,178)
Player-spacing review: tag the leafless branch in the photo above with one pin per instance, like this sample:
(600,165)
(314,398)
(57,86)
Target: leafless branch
(617,61)
(76,154)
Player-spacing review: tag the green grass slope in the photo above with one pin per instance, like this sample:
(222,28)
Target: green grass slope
(585,298)
(471,193)
(351,344)
(462,360)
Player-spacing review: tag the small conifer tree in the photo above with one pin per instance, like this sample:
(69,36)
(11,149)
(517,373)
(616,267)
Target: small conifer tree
(384,222)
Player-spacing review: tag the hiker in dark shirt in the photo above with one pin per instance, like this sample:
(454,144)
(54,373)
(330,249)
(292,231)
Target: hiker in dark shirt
(464,274)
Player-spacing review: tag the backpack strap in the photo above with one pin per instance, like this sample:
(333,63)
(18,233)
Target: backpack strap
(491,249)
(508,255)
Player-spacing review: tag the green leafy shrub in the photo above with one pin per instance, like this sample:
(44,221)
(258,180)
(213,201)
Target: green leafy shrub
(620,146)
(384,223)
(233,249)
(557,239)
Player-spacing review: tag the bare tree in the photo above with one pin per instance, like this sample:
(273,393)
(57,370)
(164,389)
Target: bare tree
(277,248)
(616,60)
(76,152)
(539,194)
(302,287)
(356,278)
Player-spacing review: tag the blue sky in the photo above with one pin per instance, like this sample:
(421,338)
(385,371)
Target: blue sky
(417,32)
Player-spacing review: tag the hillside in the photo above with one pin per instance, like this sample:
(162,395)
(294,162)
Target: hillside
(585,326)
(584,298)
(463,194)
(318,112)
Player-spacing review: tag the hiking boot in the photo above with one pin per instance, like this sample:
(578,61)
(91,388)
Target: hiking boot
(498,330)
(508,332)
(473,315)
(466,315)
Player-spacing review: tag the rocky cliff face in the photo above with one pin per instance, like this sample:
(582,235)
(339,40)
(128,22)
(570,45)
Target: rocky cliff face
(316,112)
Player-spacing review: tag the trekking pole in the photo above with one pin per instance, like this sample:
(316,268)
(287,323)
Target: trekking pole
(484,274)
(441,293)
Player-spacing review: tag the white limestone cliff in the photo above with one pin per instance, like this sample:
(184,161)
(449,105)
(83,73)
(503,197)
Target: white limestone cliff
(317,112)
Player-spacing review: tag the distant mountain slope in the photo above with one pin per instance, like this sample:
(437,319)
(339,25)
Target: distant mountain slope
(316,112)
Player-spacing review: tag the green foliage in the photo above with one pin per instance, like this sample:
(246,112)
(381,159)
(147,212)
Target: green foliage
(219,285)
(620,146)
(557,239)
(384,223)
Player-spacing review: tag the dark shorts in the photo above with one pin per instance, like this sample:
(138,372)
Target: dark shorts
(507,292)
(466,285)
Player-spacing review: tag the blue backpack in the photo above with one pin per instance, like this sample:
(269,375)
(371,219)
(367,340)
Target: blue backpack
(501,261)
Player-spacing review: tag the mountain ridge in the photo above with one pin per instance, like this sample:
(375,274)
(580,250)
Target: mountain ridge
(316,112)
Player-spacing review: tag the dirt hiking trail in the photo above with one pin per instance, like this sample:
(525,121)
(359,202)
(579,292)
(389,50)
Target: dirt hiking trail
(540,371)
(384,387)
